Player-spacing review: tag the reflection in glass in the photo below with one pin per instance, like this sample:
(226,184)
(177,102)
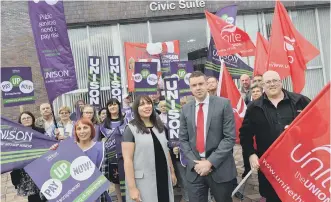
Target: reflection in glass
(190,33)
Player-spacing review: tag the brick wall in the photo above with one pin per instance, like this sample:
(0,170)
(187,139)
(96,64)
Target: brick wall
(18,49)
(80,12)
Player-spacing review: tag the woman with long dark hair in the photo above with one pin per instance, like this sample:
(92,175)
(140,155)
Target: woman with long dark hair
(112,130)
(149,172)
(20,179)
(102,114)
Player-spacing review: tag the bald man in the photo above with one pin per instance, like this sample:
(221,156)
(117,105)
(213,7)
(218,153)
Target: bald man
(266,118)
(46,120)
(245,86)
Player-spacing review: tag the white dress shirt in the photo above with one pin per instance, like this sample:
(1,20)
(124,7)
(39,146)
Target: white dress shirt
(205,115)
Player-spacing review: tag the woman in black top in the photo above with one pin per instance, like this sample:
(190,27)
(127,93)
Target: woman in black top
(114,122)
(20,179)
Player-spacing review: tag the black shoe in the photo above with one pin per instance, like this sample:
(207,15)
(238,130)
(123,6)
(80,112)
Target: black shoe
(239,195)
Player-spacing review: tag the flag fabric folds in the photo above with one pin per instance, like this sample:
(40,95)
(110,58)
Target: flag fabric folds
(261,55)
(229,39)
(305,147)
(289,51)
(228,89)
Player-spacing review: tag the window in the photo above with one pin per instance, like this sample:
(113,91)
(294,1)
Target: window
(190,33)
(80,50)
(324,28)
(134,33)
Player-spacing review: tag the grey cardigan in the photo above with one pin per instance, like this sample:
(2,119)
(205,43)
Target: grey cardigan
(143,164)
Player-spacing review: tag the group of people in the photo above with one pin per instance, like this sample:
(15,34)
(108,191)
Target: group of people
(201,161)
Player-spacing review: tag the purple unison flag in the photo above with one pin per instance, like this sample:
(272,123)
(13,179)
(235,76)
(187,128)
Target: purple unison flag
(145,78)
(52,43)
(115,77)
(171,86)
(166,59)
(21,145)
(67,174)
(235,65)
(94,70)
(17,86)
(182,70)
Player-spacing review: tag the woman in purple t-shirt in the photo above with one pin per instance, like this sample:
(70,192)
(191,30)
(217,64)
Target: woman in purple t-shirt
(84,134)
(89,112)
(111,131)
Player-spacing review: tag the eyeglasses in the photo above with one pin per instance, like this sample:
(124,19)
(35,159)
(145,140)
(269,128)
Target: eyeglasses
(26,118)
(274,81)
(88,112)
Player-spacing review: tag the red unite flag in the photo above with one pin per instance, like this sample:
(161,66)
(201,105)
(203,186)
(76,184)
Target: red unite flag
(229,39)
(289,51)
(228,89)
(298,163)
(261,55)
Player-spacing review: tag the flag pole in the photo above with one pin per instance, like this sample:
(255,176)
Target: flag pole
(54,119)
(219,86)
(242,182)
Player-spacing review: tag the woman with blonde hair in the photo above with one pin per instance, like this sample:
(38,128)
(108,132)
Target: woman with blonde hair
(163,109)
(65,125)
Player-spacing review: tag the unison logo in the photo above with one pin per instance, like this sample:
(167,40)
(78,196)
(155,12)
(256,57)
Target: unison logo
(56,74)
(115,77)
(172,94)
(94,80)
(16,135)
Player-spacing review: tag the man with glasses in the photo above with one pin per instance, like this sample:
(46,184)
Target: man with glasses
(266,118)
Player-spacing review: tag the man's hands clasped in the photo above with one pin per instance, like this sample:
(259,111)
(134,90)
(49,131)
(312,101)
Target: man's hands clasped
(203,167)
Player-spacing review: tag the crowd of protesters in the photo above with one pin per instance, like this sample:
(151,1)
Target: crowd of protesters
(203,166)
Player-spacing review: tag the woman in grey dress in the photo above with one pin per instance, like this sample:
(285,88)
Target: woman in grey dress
(149,172)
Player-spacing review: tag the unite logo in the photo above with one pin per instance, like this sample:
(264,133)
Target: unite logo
(228,34)
(289,47)
(240,108)
(309,162)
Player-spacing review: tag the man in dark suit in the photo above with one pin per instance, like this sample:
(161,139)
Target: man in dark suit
(207,136)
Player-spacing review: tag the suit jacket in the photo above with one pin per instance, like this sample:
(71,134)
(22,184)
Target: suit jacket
(221,137)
